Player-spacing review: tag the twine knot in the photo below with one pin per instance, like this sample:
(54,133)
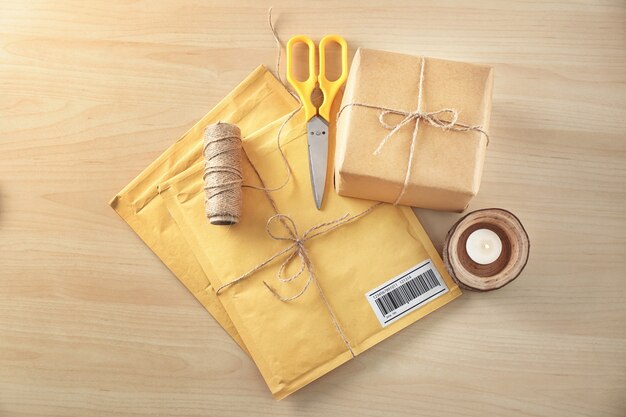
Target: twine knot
(446,119)
(297,250)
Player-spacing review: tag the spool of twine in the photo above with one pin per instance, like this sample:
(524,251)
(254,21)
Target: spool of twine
(508,266)
(222,173)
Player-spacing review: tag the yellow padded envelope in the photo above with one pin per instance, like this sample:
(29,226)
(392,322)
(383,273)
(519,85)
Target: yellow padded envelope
(295,342)
(260,99)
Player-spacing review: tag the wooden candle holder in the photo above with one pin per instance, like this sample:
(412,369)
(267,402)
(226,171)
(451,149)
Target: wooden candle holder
(509,265)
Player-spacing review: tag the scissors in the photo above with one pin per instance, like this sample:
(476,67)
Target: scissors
(317,119)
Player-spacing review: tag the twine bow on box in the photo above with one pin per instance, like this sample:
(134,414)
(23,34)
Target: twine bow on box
(446,119)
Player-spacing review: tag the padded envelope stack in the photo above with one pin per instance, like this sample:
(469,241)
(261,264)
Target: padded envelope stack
(292,342)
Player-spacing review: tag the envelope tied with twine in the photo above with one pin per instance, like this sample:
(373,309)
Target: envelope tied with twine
(367,270)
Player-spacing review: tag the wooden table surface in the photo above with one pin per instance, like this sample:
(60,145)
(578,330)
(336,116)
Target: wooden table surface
(93,324)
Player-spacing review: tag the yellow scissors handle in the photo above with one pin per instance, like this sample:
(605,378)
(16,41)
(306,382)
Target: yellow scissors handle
(303,88)
(330,88)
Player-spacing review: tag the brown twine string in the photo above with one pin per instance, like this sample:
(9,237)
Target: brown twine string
(279,46)
(222,173)
(436,119)
(279,49)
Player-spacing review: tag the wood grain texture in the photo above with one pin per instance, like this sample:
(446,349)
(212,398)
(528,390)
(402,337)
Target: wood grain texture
(92,324)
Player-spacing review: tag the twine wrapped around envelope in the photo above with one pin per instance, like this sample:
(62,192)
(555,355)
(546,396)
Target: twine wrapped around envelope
(446,119)
(298,251)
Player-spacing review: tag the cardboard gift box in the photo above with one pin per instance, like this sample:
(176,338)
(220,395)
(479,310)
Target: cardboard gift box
(413,130)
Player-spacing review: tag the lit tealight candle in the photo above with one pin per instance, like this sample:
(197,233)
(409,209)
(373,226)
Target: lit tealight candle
(483,246)
(486,249)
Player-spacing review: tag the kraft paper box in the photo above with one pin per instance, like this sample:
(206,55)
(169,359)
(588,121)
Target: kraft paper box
(373,276)
(447,165)
(259,100)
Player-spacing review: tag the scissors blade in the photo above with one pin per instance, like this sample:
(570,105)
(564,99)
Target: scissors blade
(317,134)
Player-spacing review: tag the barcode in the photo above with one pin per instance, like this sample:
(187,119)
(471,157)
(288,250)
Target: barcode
(406,292)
